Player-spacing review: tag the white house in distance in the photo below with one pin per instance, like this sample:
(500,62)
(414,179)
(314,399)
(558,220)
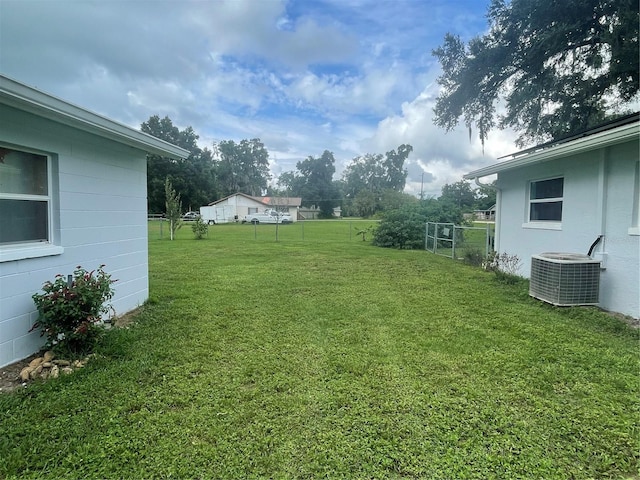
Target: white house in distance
(238,205)
(565,195)
(73,192)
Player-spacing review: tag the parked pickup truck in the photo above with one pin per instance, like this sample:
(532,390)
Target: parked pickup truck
(268,216)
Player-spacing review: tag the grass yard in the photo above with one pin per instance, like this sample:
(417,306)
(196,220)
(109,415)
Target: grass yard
(322,356)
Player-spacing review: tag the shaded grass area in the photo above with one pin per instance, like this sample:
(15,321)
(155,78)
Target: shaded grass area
(326,358)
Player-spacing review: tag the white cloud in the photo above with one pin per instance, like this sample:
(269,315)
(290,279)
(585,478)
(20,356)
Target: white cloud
(261,29)
(339,75)
(443,156)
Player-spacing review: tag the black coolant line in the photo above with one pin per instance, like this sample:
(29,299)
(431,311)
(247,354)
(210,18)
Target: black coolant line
(593,245)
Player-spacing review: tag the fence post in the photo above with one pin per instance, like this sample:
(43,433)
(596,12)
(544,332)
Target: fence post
(453,244)
(488,242)
(435,238)
(426,236)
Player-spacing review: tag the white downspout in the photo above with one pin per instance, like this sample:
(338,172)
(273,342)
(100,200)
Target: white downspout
(496,245)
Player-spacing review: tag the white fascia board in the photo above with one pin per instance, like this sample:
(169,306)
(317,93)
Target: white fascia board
(592,142)
(25,98)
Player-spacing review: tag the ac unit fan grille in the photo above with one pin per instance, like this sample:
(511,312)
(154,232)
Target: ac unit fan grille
(565,283)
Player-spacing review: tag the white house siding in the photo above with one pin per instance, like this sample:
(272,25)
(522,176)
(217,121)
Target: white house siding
(620,282)
(598,199)
(240,205)
(100,208)
(243,204)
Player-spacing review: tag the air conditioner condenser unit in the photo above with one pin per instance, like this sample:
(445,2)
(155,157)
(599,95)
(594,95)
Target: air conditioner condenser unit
(565,279)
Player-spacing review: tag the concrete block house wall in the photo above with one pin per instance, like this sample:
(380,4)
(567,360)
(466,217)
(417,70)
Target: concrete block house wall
(97,212)
(600,197)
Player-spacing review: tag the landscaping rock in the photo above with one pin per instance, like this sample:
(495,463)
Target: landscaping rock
(25,373)
(38,367)
(46,367)
(35,362)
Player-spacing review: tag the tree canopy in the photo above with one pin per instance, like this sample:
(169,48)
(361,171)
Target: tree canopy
(375,172)
(374,182)
(559,67)
(315,182)
(193,177)
(242,167)
(460,194)
(463,197)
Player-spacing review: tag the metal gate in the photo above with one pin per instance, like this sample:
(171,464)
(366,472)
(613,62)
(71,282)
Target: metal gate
(456,241)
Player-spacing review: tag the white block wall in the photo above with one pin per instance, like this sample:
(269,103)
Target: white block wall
(100,217)
(598,199)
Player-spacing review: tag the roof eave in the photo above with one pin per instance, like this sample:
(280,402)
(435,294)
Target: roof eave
(591,142)
(23,97)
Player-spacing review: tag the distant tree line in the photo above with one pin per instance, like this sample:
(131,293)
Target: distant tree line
(371,185)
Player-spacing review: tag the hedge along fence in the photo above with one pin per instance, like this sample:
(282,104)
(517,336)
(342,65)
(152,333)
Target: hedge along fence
(459,242)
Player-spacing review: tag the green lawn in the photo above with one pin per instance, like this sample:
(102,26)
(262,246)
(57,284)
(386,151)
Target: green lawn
(321,356)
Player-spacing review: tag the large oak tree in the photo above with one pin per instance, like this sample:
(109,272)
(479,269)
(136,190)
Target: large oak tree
(559,66)
(193,177)
(242,167)
(376,173)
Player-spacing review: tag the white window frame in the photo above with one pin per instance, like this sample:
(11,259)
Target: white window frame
(29,249)
(543,224)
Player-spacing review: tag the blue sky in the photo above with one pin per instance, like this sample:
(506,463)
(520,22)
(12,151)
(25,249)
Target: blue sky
(349,76)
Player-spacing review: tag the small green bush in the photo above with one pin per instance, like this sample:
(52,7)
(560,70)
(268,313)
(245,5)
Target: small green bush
(70,309)
(405,227)
(200,229)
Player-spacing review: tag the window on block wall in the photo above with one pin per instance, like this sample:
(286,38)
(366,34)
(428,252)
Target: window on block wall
(27,193)
(25,197)
(545,200)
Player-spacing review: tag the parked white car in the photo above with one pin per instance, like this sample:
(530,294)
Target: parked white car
(190,216)
(268,216)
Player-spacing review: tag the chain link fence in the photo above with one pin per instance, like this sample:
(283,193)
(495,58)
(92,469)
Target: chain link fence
(459,242)
(346,230)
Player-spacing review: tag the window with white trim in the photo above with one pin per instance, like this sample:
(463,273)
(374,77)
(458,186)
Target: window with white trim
(25,197)
(545,200)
